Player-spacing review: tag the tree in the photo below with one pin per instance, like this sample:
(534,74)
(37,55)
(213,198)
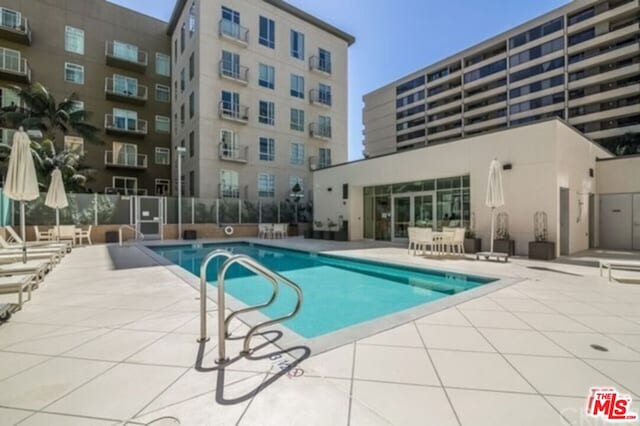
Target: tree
(47,122)
(627,144)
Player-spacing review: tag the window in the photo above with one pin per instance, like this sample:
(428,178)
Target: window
(125,185)
(183,81)
(324,60)
(10,18)
(297,86)
(192,19)
(582,36)
(182,115)
(192,104)
(229,186)
(162,186)
(324,126)
(266,76)
(409,112)
(192,66)
(125,154)
(324,94)
(73,73)
(9,97)
(536,52)
(163,64)
(175,51)
(76,106)
(486,70)
(537,103)
(324,157)
(192,183)
(231,103)
(537,32)
(128,52)
(296,180)
(74,143)
(297,45)
(537,86)
(410,85)
(163,93)
(125,85)
(230,24)
(267,149)
(266,114)
(163,124)
(74,40)
(125,119)
(163,156)
(10,60)
(297,154)
(266,185)
(183,30)
(231,65)
(192,144)
(267,32)
(297,119)
(537,69)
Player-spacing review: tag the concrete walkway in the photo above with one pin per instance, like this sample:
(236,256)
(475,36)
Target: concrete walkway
(100,345)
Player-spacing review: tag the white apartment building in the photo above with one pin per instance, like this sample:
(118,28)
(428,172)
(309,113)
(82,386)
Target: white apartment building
(259,97)
(580,62)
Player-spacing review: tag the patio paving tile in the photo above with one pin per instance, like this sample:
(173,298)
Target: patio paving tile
(449,316)
(336,363)
(580,344)
(45,419)
(460,338)
(13,363)
(405,335)
(526,342)
(494,319)
(624,372)
(552,322)
(394,364)
(57,342)
(116,345)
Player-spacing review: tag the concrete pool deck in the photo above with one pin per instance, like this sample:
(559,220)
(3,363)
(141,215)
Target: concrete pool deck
(105,343)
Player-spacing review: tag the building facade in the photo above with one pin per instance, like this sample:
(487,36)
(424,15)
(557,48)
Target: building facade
(117,61)
(259,97)
(580,62)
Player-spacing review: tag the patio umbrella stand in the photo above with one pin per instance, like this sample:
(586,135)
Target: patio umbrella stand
(494,199)
(56,197)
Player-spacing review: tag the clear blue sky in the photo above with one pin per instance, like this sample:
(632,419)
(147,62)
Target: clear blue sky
(396,37)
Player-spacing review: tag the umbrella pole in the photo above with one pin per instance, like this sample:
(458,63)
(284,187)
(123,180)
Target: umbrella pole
(58,224)
(23,231)
(493,217)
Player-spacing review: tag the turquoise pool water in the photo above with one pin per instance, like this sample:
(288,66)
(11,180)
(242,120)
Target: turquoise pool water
(338,292)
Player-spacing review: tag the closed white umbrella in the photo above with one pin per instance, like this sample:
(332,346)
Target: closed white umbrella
(495,192)
(21,183)
(56,197)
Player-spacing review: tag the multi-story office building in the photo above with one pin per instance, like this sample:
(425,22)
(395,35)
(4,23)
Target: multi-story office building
(259,97)
(580,62)
(118,63)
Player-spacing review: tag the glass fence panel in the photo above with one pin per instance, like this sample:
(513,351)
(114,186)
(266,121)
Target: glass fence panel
(269,212)
(205,210)
(228,211)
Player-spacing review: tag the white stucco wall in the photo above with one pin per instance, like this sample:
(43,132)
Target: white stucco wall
(620,175)
(544,156)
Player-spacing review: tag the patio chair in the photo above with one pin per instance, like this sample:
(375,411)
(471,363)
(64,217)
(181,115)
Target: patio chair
(279,230)
(446,239)
(424,238)
(67,233)
(457,245)
(412,240)
(81,234)
(17,283)
(18,240)
(42,235)
(265,230)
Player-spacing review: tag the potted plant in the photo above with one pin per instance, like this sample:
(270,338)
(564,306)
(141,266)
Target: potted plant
(317,229)
(331,233)
(343,233)
(471,243)
(503,243)
(541,249)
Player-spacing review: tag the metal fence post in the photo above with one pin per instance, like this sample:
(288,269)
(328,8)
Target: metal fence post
(218,211)
(239,211)
(193,210)
(95,208)
(259,211)
(278,212)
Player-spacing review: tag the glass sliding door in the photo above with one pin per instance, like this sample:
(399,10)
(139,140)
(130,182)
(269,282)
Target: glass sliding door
(410,210)
(423,211)
(401,217)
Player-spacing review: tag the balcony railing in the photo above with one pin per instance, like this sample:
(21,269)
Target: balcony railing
(234,32)
(235,73)
(131,59)
(320,131)
(317,163)
(124,191)
(233,112)
(137,94)
(122,125)
(322,66)
(232,191)
(14,68)
(14,27)
(138,161)
(238,153)
(320,98)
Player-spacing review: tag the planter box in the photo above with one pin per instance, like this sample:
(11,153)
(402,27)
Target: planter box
(292,230)
(317,234)
(542,250)
(329,235)
(343,233)
(472,245)
(505,246)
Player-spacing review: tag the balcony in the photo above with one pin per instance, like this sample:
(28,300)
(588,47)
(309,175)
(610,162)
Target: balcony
(14,68)
(238,74)
(606,95)
(136,95)
(14,27)
(236,154)
(233,112)
(475,127)
(233,32)
(126,57)
(125,127)
(444,134)
(322,99)
(444,93)
(232,191)
(604,16)
(445,78)
(316,163)
(614,131)
(607,56)
(320,132)
(610,114)
(605,38)
(603,77)
(124,191)
(322,67)
(137,162)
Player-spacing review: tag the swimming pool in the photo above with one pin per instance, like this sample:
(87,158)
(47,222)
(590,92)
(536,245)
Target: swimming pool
(338,292)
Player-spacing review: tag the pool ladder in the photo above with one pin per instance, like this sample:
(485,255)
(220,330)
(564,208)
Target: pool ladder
(223,321)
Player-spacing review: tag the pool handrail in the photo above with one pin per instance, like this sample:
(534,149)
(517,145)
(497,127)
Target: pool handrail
(136,233)
(203,289)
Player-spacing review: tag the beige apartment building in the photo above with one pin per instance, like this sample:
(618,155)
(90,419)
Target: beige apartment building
(118,63)
(259,97)
(580,62)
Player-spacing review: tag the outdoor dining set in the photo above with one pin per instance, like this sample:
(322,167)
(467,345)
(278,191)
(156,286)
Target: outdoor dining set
(273,230)
(446,241)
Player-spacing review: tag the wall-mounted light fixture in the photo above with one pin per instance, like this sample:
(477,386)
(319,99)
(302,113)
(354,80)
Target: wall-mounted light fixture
(329,189)
(591,173)
(507,166)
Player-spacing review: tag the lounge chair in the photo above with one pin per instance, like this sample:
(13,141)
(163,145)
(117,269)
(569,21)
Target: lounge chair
(17,283)
(5,312)
(36,268)
(13,256)
(18,240)
(16,249)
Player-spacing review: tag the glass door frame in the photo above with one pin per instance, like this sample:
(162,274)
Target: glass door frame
(412,209)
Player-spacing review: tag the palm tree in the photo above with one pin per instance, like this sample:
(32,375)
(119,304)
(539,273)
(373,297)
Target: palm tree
(628,144)
(48,122)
